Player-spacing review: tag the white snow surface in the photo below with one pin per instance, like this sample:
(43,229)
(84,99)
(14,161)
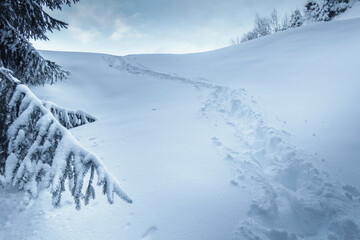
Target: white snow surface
(255,141)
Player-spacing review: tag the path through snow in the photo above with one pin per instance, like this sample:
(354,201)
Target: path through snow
(291,199)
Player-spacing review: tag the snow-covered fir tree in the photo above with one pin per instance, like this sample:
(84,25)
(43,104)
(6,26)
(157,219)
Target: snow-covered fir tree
(312,10)
(37,152)
(332,8)
(296,19)
(36,149)
(21,21)
(325,10)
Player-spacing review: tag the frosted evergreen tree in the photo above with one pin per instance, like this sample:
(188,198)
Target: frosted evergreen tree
(21,21)
(264,26)
(274,22)
(37,151)
(325,10)
(285,23)
(296,19)
(312,10)
(332,8)
(261,28)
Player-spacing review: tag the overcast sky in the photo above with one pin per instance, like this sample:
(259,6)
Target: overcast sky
(123,27)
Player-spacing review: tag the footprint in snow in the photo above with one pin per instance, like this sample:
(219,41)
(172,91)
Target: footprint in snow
(128,225)
(216,141)
(148,235)
(234,183)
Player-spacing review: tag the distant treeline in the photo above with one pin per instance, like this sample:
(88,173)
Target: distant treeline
(313,11)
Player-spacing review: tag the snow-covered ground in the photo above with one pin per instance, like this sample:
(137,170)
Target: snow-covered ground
(256,141)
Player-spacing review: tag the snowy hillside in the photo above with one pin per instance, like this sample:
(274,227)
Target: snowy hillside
(255,141)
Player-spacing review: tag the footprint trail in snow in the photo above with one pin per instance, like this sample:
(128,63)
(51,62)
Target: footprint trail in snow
(291,199)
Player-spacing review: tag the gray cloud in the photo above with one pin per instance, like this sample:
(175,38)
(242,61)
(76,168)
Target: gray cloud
(145,26)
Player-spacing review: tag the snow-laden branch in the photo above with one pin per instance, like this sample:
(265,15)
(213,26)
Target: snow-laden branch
(19,55)
(69,118)
(41,153)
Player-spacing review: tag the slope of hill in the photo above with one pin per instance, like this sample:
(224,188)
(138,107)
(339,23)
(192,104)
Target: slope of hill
(307,77)
(256,141)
